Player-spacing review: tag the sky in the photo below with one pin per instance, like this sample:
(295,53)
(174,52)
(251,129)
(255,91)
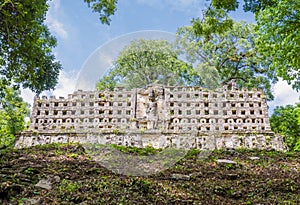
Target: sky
(80,34)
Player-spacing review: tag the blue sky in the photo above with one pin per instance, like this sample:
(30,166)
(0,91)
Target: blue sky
(79,33)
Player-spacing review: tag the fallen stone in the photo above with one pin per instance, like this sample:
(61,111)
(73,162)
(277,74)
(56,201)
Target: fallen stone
(254,158)
(45,184)
(56,179)
(180,177)
(196,174)
(33,201)
(225,161)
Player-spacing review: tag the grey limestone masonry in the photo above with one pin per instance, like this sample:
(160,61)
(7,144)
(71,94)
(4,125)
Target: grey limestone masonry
(160,116)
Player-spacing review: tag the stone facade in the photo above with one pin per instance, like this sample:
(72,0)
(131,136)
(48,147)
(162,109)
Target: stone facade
(161,116)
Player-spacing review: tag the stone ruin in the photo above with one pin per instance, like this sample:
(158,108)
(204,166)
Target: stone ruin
(159,116)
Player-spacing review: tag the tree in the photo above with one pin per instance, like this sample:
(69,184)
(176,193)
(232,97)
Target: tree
(231,54)
(105,8)
(26,46)
(145,62)
(279,39)
(278,34)
(12,116)
(286,121)
(278,23)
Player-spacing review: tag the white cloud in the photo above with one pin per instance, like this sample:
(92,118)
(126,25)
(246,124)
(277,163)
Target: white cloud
(27,96)
(56,27)
(284,95)
(53,23)
(65,86)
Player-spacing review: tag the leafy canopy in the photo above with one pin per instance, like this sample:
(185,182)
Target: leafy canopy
(279,39)
(278,36)
(229,55)
(26,46)
(145,62)
(105,8)
(286,121)
(12,116)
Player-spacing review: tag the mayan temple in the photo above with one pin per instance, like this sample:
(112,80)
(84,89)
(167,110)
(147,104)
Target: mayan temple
(160,116)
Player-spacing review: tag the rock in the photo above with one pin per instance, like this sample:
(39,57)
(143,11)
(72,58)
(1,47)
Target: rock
(33,201)
(180,177)
(254,158)
(196,174)
(56,179)
(45,184)
(225,161)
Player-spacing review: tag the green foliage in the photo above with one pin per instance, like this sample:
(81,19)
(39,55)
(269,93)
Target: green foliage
(105,8)
(257,5)
(107,82)
(30,171)
(297,146)
(192,153)
(26,46)
(215,17)
(279,39)
(286,121)
(249,5)
(214,21)
(223,56)
(12,116)
(229,5)
(145,62)
(68,186)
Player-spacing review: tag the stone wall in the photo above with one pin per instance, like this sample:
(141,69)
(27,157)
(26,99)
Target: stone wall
(161,140)
(154,108)
(169,111)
